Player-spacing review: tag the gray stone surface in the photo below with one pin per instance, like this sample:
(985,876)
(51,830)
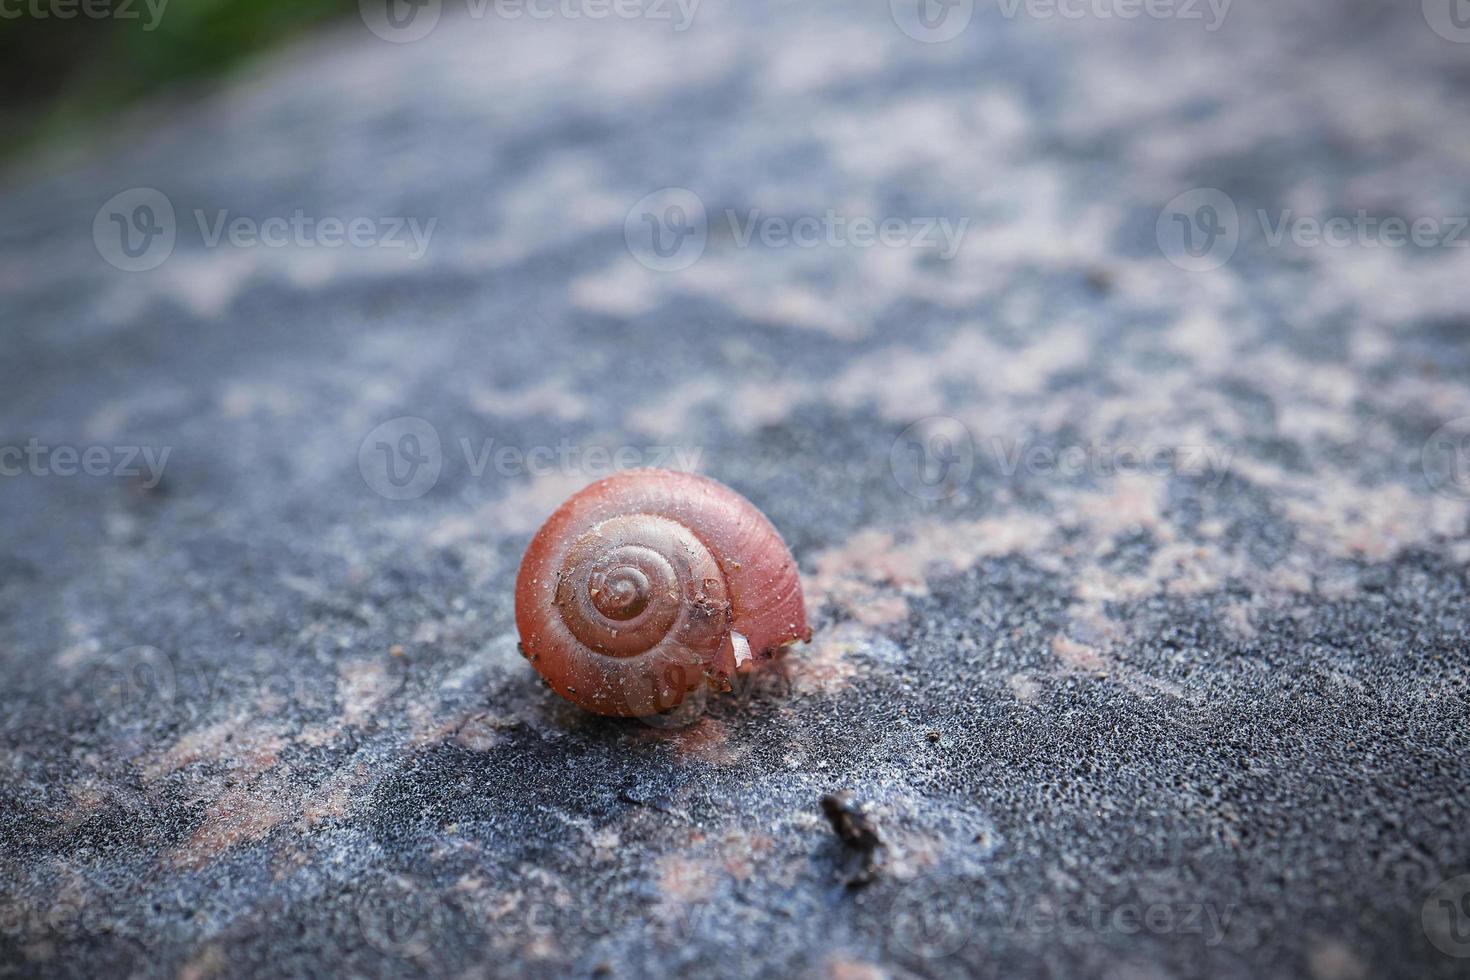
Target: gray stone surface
(1202,718)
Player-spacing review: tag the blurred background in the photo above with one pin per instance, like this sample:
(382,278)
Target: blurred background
(1105,364)
(65,71)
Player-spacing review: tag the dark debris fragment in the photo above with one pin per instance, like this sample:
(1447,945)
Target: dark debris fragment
(855,827)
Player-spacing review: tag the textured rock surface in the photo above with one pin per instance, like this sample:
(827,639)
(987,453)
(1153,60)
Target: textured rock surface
(1203,718)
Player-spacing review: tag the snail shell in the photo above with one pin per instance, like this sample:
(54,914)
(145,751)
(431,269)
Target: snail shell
(648,586)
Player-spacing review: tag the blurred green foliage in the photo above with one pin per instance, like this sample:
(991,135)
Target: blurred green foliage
(63,68)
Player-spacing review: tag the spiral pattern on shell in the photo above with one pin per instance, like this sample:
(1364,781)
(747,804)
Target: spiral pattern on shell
(649,585)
